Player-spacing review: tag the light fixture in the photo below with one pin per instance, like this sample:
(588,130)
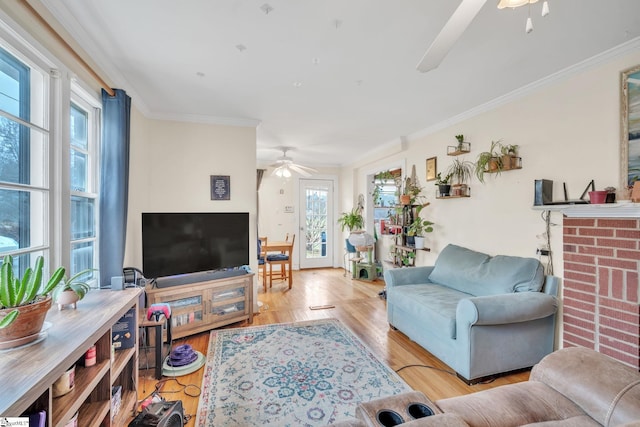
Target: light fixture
(502,4)
(282,172)
(514,3)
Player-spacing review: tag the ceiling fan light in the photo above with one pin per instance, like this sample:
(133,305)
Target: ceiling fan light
(513,3)
(286,173)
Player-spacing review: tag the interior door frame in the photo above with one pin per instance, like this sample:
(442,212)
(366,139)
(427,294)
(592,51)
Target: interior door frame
(331,228)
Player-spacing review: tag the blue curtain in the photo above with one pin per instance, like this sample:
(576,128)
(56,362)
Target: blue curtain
(114,183)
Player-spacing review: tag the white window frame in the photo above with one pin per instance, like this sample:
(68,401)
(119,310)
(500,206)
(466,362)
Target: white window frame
(61,87)
(83,100)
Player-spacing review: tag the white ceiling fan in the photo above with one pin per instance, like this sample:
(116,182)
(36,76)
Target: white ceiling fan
(458,23)
(285,165)
(453,29)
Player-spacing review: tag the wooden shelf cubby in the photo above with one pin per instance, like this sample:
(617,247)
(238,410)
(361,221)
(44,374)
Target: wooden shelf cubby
(29,373)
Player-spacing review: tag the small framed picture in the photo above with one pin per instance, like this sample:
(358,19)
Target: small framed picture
(432,168)
(220,187)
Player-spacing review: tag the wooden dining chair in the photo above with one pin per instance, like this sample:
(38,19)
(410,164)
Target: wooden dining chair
(281,260)
(262,261)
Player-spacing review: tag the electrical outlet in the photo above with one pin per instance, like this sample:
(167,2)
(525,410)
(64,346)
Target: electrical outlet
(543,252)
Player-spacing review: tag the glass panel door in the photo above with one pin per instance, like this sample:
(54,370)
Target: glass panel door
(316,223)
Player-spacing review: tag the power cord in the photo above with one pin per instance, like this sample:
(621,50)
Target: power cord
(546,217)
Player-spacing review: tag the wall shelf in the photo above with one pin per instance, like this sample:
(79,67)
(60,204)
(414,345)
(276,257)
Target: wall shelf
(605,210)
(452,197)
(458,150)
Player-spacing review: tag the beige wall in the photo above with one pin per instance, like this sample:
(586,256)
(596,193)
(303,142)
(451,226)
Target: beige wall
(277,193)
(171,163)
(568,131)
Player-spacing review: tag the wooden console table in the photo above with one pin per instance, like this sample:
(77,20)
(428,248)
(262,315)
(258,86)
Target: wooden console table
(202,306)
(27,374)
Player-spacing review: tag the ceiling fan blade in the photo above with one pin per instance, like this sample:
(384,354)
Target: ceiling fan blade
(306,168)
(301,170)
(453,29)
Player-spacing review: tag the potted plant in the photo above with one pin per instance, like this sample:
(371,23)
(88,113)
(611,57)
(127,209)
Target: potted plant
(23,304)
(489,161)
(352,220)
(71,290)
(444,185)
(509,156)
(379,180)
(461,170)
(407,258)
(460,139)
(418,229)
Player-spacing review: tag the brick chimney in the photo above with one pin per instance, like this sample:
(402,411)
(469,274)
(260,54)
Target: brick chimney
(601,304)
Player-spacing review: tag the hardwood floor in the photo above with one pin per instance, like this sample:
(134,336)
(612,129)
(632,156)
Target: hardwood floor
(357,305)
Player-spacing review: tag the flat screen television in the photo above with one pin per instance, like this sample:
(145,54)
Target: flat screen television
(181,243)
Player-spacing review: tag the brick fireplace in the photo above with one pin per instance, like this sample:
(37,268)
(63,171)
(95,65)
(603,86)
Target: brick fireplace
(601,305)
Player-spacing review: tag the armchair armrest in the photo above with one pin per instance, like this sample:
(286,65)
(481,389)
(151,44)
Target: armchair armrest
(505,308)
(407,276)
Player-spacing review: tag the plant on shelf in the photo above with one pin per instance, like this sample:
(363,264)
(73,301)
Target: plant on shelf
(380,180)
(352,220)
(70,290)
(461,171)
(419,227)
(410,190)
(489,161)
(23,304)
(444,184)
(460,139)
(509,156)
(407,258)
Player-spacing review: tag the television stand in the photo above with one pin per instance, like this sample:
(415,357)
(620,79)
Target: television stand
(209,304)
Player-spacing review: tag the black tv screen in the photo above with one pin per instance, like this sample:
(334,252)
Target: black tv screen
(181,243)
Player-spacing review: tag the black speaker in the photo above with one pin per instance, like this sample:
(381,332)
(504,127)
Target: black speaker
(161,414)
(543,194)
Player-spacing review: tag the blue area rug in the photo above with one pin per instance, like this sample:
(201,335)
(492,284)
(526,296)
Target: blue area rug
(299,374)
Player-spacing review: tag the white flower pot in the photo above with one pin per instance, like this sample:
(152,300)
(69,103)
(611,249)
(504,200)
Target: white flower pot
(419,242)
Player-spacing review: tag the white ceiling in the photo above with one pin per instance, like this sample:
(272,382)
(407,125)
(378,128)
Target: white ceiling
(332,78)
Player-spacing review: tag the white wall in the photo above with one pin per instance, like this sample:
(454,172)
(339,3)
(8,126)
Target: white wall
(171,164)
(275,194)
(568,131)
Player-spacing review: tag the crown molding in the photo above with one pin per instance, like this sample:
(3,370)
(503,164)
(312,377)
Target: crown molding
(206,119)
(589,63)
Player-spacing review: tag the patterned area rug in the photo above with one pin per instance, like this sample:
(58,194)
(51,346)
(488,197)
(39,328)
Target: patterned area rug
(298,374)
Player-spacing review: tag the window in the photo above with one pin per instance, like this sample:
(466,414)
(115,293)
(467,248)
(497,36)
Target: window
(83,140)
(24,138)
(48,180)
(385,199)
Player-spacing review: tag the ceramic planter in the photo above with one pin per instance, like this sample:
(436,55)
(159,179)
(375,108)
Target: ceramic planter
(444,189)
(26,326)
(67,298)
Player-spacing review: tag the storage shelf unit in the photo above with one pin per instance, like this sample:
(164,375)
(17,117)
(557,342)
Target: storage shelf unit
(206,305)
(28,373)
